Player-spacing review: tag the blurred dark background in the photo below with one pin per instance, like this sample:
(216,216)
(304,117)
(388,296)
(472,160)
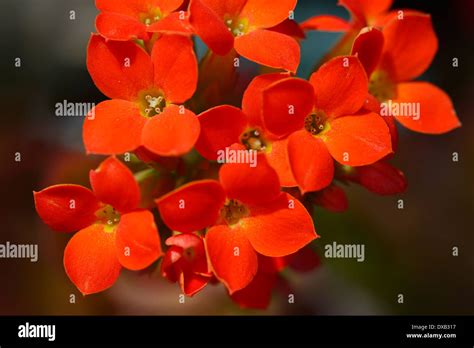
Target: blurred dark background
(408,251)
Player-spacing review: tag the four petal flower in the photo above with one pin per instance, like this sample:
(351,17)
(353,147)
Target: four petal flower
(113,231)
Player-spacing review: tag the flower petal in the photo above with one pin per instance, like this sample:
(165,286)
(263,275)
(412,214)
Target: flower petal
(113,127)
(175,67)
(272,265)
(137,7)
(310,161)
(410,46)
(384,18)
(381,178)
(257,44)
(258,293)
(368,47)
(358,140)
(90,259)
(267,13)
(138,242)
(366,10)
(231,8)
(113,183)
(66,208)
(171,133)
(436,110)
(119,27)
(168,6)
(170,263)
(174,23)
(326,23)
(210,27)
(221,127)
(279,160)
(280,227)
(332,198)
(195,261)
(286,103)
(120,69)
(192,207)
(304,260)
(250,185)
(289,27)
(185,241)
(392,127)
(252,101)
(192,283)
(232,257)
(340,86)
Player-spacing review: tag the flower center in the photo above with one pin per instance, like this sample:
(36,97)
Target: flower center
(150,17)
(233,211)
(108,216)
(236,26)
(315,122)
(252,139)
(151,103)
(381,86)
(189,254)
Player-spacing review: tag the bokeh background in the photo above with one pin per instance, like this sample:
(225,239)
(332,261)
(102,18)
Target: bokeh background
(408,251)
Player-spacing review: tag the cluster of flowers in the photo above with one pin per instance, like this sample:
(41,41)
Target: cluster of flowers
(235,223)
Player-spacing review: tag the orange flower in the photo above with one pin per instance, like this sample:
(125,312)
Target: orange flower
(363,13)
(247,214)
(144,92)
(125,20)
(329,125)
(113,232)
(185,262)
(225,126)
(395,56)
(243,24)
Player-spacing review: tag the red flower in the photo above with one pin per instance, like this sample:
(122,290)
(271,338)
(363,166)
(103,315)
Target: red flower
(394,57)
(185,262)
(144,92)
(125,20)
(330,125)
(381,178)
(243,24)
(247,214)
(258,293)
(113,232)
(225,125)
